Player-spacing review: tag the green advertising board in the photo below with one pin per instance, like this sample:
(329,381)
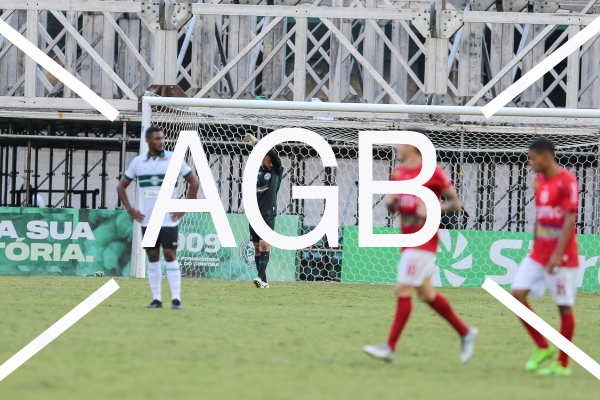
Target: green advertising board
(75,242)
(53,241)
(465,258)
(200,253)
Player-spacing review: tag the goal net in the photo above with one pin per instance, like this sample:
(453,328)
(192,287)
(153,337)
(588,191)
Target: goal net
(487,160)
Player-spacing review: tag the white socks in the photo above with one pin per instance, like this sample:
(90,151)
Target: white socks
(174,277)
(155,276)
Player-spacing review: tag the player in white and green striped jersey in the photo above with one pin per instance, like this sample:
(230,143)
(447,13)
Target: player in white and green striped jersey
(150,169)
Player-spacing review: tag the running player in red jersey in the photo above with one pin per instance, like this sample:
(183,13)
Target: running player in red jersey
(417,264)
(554,260)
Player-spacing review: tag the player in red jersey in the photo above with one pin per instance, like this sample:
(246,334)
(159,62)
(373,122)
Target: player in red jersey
(417,264)
(554,260)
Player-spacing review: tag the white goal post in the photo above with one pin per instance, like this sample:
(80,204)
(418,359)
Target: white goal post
(486,158)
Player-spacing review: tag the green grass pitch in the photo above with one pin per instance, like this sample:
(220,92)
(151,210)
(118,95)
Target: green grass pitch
(293,341)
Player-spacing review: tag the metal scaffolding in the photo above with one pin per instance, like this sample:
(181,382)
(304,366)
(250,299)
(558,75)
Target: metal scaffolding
(457,52)
(82,152)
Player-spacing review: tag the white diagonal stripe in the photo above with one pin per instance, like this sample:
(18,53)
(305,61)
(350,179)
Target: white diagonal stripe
(58,328)
(59,72)
(542,327)
(540,69)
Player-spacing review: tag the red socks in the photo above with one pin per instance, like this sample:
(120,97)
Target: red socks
(537,337)
(403,309)
(567,326)
(439,304)
(442,307)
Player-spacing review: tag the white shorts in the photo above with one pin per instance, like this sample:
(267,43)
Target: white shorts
(533,277)
(415,266)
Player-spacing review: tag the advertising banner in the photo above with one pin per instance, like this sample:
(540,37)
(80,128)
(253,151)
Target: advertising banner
(56,241)
(75,242)
(201,255)
(465,258)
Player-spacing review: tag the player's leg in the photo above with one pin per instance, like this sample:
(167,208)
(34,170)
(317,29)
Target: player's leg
(256,241)
(403,311)
(265,251)
(154,273)
(263,260)
(563,287)
(258,280)
(168,239)
(440,304)
(530,280)
(408,279)
(385,351)
(256,254)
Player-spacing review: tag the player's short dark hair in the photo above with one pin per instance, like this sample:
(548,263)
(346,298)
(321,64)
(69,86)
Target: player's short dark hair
(151,131)
(419,130)
(415,129)
(542,145)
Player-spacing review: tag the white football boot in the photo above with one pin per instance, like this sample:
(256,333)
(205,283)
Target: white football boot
(257,282)
(381,352)
(467,344)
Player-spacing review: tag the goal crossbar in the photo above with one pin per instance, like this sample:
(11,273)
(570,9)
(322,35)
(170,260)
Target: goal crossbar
(486,158)
(367,108)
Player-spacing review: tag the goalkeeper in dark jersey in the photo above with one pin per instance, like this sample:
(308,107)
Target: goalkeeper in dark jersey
(267,186)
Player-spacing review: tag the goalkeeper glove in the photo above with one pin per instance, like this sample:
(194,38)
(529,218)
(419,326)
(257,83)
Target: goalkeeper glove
(250,139)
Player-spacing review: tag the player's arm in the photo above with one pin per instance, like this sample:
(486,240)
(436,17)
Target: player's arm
(565,235)
(273,154)
(252,140)
(535,224)
(193,181)
(391,202)
(122,192)
(442,180)
(569,205)
(452,202)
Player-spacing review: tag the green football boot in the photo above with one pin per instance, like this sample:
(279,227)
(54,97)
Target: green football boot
(538,357)
(555,369)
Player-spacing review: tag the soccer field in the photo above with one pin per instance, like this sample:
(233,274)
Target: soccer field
(293,341)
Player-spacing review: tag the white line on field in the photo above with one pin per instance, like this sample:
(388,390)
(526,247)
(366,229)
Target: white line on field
(542,327)
(540,69)
(58,328)
(59,72)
